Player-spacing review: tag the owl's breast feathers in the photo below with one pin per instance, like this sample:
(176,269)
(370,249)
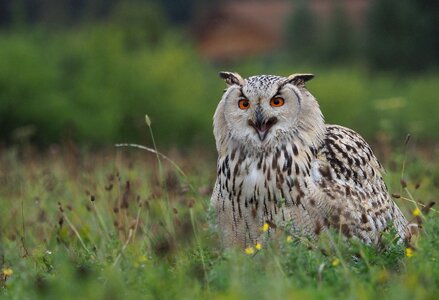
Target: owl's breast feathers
(337,184)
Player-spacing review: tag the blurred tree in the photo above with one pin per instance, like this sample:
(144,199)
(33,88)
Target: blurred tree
(54,12)
(141,22)
(429,32)
(301,32)
(18,14)
(337,43)
(403,34)
(5,13)
(179,11)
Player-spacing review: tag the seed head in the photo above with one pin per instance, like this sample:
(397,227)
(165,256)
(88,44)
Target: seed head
(147,121)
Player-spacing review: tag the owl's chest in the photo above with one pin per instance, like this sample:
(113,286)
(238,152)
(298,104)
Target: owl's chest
(253,181)
(274,177)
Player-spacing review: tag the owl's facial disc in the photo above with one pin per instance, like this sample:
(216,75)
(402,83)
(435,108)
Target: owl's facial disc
(261,124)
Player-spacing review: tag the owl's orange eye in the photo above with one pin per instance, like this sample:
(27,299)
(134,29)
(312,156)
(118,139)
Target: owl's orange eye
(277,102)
(244,104)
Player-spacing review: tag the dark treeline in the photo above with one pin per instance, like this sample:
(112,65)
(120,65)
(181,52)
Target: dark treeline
(69,12)
(398,35)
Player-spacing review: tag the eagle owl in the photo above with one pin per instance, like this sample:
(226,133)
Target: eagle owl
(279,163)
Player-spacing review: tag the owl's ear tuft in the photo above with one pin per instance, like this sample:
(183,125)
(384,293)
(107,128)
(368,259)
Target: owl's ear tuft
(232,78)
(299,79)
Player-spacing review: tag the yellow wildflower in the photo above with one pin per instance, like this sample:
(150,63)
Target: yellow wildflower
(142,259)
(258,246)
(249,250)
(7,272)
(289,239)
(265,227)
(416,212)
(409,252)
(335,262)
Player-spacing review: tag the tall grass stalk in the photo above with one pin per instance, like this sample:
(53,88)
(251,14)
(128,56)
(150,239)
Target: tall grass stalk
(173,163)
(119,255)
(200,249)
(100,219)
(23,237)
(161,172)
(75,231)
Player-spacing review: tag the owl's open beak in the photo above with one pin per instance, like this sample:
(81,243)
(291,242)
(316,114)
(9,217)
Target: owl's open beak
(262,126)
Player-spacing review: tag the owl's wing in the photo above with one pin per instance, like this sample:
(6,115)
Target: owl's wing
(353,196)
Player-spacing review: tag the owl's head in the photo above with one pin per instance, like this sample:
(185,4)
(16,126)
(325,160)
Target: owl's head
(263,110)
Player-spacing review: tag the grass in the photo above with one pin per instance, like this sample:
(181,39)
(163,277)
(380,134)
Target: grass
(109,225)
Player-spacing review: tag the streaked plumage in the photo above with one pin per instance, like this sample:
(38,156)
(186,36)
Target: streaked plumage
(284,165)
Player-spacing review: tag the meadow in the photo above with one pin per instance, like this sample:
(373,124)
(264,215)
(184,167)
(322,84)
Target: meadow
(83,219)
(124,223)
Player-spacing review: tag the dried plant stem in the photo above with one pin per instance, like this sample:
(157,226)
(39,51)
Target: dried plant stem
(303,240)
(159,154)
(101,220)
(279,266)
(76,232)
(338,252)
(130,235)
(407,139)
(137,220)
(411,197)
(418,203)
(200,249)
(23,237)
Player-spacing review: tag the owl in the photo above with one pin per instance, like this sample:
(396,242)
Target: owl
(279,163)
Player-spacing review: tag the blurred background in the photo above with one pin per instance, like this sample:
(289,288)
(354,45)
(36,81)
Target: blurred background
(87,72)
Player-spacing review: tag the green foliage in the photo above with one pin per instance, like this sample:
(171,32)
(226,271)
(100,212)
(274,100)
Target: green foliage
(301,32)
(93,84)
(337,43)
(317,41)
(400,35)
(94,87)
(395,35)
(90,86)
(123,231)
